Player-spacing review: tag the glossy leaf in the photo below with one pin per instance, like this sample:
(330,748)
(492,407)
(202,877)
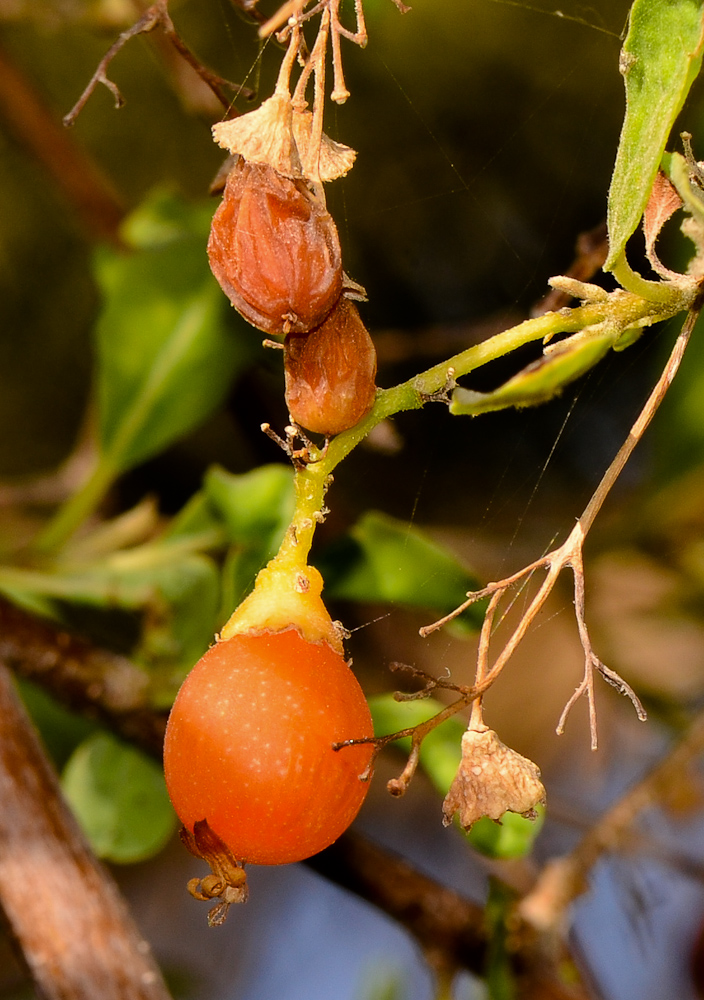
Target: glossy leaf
(256,507)
(540,380)
(119,798)
(386,560)
(660,59)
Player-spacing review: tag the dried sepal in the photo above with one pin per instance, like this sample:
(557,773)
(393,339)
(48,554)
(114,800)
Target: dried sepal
(330,374)
(492,779)
(278,136)
(275,251)
(334,159)
(662,204)
(227,882)
(264,136)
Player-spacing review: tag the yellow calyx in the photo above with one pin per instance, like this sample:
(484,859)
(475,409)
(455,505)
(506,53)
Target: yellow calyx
(286,595)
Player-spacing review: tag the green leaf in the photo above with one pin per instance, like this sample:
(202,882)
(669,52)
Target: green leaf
(513,837)
(165,356)
(386,560)
(164,217)
(256,507)
(660,59)
(119,798)
(61,731)
(440,756)
(540,380)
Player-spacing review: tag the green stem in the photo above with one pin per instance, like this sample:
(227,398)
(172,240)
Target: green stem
(623,310)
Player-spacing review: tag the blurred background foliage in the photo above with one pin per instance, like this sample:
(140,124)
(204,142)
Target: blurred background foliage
(486,137)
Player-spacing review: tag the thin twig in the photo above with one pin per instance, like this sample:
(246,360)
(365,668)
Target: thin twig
(569,555)
(155,16)
(564,879)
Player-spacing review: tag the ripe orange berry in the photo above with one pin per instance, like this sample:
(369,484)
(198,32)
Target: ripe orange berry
(249,746)
(330,373)
(275,251)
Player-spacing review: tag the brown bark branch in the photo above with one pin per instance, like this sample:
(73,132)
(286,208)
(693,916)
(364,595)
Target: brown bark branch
(92,681)
(63,909)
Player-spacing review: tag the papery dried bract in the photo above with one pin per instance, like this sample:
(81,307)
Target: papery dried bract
(330,374)
(334,158)
(275,251)
(279,136)
(492,779)
(263,136)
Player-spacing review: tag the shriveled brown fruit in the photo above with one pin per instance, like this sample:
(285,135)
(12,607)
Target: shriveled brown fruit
(274,249)
(330,373)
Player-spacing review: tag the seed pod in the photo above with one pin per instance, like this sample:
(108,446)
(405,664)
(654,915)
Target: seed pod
(275,251)
(330,373)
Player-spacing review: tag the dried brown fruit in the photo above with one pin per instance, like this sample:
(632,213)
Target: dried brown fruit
(275,251)
(330,373)
(492,779)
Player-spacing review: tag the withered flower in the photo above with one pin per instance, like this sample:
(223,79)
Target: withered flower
(492,779)
(227,881)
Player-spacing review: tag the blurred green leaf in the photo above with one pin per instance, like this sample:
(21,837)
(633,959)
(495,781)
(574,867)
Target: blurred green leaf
(166,356)
(661,58)
(119,798)
(386,560)
(513,837)
(61,731)
(164,217)
(174,589)
(256,507)
(440,756)
(540,380)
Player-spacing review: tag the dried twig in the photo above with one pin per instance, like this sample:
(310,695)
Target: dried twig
(292,14)
(569,555)
(564,879)
(63,909)
(155,16)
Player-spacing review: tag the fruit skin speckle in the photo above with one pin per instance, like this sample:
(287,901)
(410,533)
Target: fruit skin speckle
(249,746)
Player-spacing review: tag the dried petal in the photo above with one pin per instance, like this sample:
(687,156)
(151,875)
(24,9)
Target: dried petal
(662,204)
(274,249)
(492,779)
(330,373)
(335,159)
(264,135)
